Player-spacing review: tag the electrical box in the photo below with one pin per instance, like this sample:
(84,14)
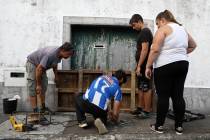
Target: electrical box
(15,78)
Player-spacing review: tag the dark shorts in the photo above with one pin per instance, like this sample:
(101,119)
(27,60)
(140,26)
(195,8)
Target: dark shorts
(144,83)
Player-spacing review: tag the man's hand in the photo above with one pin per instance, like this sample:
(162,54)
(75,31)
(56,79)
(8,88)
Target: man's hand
(138,71)
(114,113)
(38,89)
(110,113)
(112,117)
(148,73)
(56,80)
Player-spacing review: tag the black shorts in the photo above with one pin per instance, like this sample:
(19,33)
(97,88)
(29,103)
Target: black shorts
(144,83)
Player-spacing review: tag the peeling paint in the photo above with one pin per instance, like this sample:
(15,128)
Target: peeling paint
(118,52)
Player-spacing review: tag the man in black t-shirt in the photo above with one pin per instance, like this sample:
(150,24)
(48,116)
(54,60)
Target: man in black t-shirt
(144,41)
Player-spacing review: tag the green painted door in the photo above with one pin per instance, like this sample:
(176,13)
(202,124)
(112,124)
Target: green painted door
(103,47)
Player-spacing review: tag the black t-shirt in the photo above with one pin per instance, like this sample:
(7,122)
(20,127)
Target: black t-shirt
(145,35)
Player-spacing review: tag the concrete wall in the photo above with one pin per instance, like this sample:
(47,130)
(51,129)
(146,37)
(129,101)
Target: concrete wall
(26,25)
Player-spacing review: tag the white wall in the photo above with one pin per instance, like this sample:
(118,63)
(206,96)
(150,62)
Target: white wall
(196,18)
(26,25)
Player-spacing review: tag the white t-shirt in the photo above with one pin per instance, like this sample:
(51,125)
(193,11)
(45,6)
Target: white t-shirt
(174,47)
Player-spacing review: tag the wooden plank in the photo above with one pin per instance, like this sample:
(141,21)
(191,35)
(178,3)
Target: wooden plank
(67,71)
(67,80)
(125,110)
(92,71)
(66,109)
(63,100)
(89,77)
(126,90)
(66,100)
(133,90)
(80,81)
(126,101)
(67,90)
(85,81)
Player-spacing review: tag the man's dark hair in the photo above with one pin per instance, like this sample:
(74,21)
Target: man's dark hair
(67,47)
(119,74)
(136,18)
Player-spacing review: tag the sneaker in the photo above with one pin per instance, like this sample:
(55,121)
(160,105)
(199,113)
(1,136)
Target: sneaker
(100,126)
(179,130)
(136,112)
(143,115)
(83,124)
(159,129)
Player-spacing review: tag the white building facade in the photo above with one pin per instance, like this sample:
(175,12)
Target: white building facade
(26,25)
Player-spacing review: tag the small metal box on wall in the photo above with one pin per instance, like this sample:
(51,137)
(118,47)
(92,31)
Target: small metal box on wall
(15,77)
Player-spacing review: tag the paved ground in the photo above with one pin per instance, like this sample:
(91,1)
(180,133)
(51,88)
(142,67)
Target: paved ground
(65,127)
(3,117)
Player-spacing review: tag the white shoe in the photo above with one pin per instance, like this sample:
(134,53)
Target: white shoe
(156,129)
(179,130)
(83,124)
(100,126)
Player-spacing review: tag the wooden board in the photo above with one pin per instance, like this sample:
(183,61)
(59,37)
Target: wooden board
(71,82)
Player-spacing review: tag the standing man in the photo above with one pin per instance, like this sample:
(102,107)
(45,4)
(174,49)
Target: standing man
(37,64)
(97,98)
(144,42)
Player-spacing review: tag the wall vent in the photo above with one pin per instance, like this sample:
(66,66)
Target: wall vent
(17,74)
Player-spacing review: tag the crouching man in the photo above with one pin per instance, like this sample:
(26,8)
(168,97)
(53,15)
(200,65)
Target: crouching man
(37,64)
(97,98)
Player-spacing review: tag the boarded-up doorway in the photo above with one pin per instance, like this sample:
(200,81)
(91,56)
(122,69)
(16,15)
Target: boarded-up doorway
(102,44)
(103,47)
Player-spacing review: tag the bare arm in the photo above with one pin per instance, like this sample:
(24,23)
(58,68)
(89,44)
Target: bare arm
(191,44)
(55,73)
(144,51)
(155,50)
(156,46)
(116,111)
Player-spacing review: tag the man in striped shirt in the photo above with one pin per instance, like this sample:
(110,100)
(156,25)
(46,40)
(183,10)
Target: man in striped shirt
(97,98)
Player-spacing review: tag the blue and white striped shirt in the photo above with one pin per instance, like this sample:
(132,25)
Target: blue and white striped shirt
(102,90)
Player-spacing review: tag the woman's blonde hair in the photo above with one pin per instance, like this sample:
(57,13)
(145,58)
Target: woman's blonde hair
(168,16)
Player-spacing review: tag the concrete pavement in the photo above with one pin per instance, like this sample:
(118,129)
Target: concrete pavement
(65,127)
